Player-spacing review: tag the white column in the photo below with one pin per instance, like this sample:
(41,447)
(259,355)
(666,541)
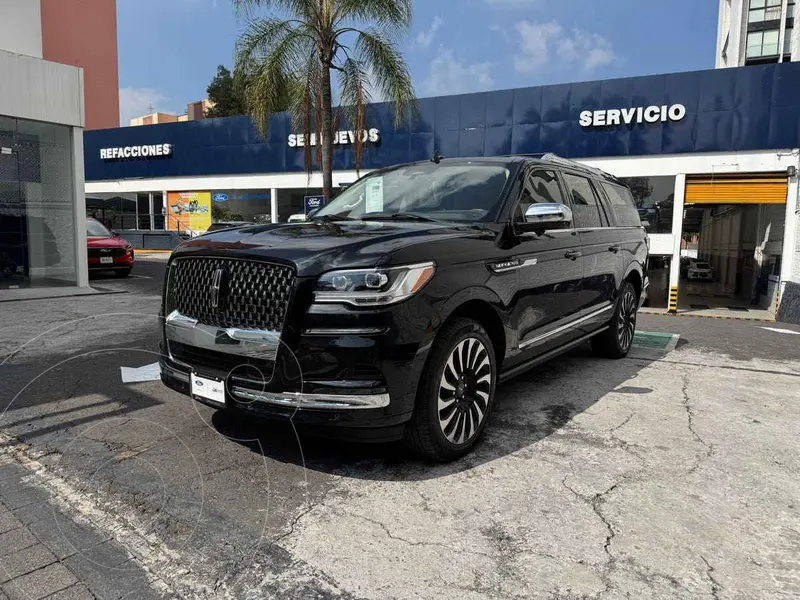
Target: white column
(677,230)
(79,214)
(782,35)
(150,208)
(273,204)
(790,251)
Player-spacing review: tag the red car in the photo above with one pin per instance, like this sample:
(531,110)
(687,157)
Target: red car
(107,251)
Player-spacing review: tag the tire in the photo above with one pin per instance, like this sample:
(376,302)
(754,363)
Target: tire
(122,273)
(443,429)
(616,341)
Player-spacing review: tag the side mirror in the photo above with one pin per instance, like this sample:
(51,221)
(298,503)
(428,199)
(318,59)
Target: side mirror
(547,215)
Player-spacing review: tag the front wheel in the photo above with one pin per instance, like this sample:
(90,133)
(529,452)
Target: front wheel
(455,394)
(616,341)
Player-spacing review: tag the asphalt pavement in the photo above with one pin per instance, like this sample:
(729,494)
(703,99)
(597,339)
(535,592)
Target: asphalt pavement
(661,476)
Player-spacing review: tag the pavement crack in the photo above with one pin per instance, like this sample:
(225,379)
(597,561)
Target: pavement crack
(690,415)
(716,587)
(391,536)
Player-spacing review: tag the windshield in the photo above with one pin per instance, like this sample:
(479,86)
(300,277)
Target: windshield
(95,229)
(465,192)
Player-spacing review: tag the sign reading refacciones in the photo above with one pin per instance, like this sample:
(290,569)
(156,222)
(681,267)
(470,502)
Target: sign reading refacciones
(148,151)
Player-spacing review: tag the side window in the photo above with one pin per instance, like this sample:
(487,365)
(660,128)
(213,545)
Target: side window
(622,206)
(585,204)
(540,186)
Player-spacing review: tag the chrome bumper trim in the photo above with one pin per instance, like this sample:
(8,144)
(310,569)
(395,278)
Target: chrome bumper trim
(324,401)
(322,331)
(252,343)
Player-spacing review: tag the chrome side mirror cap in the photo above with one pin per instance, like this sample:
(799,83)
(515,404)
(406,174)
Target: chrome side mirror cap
(548,215)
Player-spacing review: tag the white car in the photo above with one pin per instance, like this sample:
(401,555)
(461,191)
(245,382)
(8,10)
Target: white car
(297,218)
(699,271)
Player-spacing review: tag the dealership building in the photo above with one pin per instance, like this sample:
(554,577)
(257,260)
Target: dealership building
(711,158)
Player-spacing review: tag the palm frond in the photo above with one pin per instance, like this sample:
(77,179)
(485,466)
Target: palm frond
(354,86)
(389,14)
(269,55)
(391,76)
(299,8)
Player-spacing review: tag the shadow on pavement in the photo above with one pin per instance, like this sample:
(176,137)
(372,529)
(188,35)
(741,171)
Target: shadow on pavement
(531,407)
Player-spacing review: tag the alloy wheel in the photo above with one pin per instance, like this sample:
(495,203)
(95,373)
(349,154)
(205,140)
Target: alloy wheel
(626,325)
(464,391)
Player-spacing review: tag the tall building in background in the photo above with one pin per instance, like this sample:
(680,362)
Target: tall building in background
(755,32)
(42,202)
(83,33)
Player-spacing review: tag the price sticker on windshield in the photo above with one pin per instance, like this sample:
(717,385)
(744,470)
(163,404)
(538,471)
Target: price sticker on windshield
(374,195)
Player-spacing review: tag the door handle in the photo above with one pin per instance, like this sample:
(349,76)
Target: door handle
(572,254)
(614,249)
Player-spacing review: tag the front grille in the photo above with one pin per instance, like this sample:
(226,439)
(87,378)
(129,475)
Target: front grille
(98,252)
(256,295)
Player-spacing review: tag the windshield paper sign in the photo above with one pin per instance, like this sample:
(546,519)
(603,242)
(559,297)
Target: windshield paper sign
(374,195)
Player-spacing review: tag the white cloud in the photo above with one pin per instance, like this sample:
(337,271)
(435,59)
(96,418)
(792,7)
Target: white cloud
(425,38)
(545,43)
(448,75)
(135,102)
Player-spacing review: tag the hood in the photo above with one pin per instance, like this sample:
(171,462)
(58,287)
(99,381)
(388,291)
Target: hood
(106,242)
(316,247)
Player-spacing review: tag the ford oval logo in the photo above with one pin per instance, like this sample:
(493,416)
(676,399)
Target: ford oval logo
(219,197)
(198,383)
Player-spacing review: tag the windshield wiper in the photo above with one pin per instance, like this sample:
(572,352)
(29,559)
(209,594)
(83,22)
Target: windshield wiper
(399,217)
(332,218)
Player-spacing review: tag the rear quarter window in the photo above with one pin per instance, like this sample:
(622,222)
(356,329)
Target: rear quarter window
(622,207)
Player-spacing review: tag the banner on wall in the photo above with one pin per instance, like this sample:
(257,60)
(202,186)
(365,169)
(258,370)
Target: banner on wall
(189,210)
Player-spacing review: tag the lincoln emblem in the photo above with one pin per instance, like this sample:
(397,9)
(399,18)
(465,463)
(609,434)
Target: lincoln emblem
(218,283)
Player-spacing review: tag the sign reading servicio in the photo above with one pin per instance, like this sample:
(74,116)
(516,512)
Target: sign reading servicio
(628,116)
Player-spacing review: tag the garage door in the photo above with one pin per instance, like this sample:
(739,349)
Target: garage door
(737,189)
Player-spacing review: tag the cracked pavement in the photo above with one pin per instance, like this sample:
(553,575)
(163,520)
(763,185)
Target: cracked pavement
(671,476)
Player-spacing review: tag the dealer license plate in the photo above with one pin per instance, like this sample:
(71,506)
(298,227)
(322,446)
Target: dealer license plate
(106,260)
(209,389)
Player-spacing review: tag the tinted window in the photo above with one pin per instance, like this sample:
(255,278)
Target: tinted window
(623,211)
(540,186)
(585,205)
(653,198)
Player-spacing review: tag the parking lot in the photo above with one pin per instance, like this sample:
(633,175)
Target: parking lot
(663,475)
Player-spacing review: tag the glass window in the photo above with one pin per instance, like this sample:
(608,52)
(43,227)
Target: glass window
(654,198)
(540,186)
(449,191)
(787,42)
(585,205)
(253,206)
(96,229)
(622,208)
(770,46)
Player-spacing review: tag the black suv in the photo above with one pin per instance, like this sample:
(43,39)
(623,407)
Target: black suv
(398,307)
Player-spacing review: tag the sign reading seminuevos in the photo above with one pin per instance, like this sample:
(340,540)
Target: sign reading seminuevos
(341,138)
(147,151)
(627,116)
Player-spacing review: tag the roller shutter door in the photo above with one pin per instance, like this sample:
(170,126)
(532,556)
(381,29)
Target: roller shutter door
(737,189)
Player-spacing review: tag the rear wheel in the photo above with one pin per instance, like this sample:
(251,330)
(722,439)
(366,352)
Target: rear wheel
(456,392)
(616,341)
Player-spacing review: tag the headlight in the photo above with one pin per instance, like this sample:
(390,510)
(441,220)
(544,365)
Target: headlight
(373,287)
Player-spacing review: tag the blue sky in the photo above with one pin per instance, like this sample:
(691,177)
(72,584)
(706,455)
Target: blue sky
(169,49)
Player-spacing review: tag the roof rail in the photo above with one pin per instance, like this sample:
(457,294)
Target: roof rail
(554,158)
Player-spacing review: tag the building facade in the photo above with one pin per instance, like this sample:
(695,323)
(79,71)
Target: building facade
(195,111)
(42,211)
(83,33)
(755,32)
(711,157)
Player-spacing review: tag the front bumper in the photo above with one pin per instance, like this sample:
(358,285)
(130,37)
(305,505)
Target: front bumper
(334,367)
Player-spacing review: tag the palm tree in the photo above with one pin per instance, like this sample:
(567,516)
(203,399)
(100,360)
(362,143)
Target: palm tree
(295,55)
